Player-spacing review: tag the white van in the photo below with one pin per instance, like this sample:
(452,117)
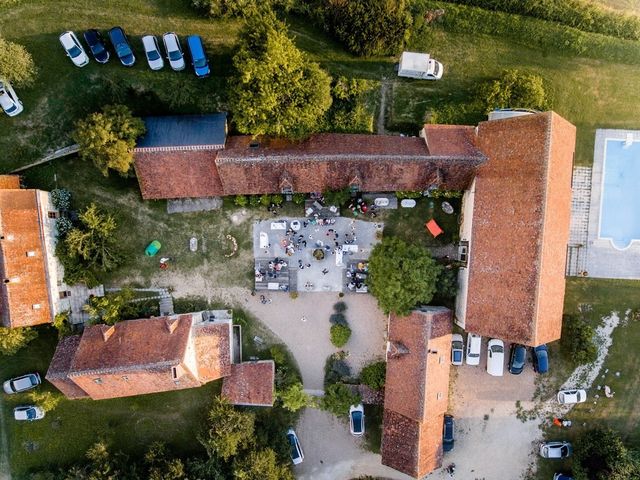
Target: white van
(474,343)
(420,66)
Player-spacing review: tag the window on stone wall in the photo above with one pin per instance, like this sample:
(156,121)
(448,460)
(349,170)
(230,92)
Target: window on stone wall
(53,214)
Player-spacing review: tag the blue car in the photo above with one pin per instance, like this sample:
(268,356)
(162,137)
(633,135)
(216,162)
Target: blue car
(96,45)
(198,56)
(518,359)
(541,359)
(121,46)
(448,436)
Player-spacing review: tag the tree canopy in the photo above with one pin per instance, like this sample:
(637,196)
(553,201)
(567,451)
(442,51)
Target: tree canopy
(13,339)
(600,455)
(401,276)
(260,465)
(108,309)
(228,430)
(107,138)
(16,64)
(514,89)
(368,27)
(276,89)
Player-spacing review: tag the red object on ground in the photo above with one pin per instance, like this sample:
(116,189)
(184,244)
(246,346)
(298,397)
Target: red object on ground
(434,228)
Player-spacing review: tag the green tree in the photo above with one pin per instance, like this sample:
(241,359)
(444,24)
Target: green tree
(228,430)
(447,284)
(577,340)
(600,455)
(62,323)
(107,138)
(349,112)
(13,339)
(108,309)
(241,200)
(102,465)
(16,64)
(276,90)
(368,27)
(160,466)
(514,89)
(45,399)
(340,335)
(94,242)
(338,398)
(401,276)
(294,398)
(237,8)
(373,375)
(260,465)
(337,197)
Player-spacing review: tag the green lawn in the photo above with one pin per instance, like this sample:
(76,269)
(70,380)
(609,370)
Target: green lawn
(129,424)
(630,6)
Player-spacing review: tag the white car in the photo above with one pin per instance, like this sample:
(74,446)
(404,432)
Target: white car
(495,359)
(556,450)
(74,49)
(356,420)
(28,413)
(297,456)
(9,100)
(152,52)
(474,343)
(21,384)
(457,349)
(572,396)
(174,51)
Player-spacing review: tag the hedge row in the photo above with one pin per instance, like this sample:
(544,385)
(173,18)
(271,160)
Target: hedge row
(534,32)
(578,14)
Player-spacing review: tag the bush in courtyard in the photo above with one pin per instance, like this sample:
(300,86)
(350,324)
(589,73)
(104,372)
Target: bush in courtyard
(62,323)
(340,307)
(61,198)
(254,200)
(338,319)
(109,309)
(241,200)
(13,339)
(63,226)
(278,354)
(294,398)
(337,197)
(374,374)
(265,200)
(514,89)
(107,138)
(338,398)
(299,198)
(577,340)
(340,335)
(336,370)
(408,194)
(16,64)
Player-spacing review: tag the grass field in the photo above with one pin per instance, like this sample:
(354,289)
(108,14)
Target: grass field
(629,6)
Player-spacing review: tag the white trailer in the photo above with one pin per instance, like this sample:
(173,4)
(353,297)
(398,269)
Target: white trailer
(419,65)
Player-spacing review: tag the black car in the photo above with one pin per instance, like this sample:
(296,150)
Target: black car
(122,46)
(96,45)
(448,437)
(517,359)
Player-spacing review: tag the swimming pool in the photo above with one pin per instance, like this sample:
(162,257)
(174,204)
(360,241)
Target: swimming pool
(620,202)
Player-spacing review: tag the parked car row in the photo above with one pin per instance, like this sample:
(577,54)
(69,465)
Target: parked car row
(23,384)
(123,50)
(495,352)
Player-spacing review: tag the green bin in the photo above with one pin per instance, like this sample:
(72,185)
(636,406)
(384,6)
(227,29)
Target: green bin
(152,248)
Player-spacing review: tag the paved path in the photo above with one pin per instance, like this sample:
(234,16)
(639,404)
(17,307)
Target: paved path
(5,471)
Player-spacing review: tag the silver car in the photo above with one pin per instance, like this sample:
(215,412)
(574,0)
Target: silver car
(174,51)
(74,49)
(152,52)
(457,349)
(28,413)
(297,456)
(556,450)
(9,101)
(356,420)
(21,384)
(566,397)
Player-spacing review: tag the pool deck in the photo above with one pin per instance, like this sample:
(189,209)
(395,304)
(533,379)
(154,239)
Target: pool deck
(603,260)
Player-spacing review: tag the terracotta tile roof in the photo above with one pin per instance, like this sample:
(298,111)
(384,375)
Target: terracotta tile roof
(24,299)
(520,229)
(9,182)
(451,140)
(250,383)
(60,367)
(177,174)
(416,390)
(212,341)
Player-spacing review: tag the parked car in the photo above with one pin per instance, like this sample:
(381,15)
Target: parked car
(297,455)
(21,384)
(448,435)
(96,45)
(474,343)
(556,450)
(457,349)
(28,413)
(122,46)
(572,396)
(541,359)
(495,359)
(198,56)
(174,51)
(356,420)
(152,52)
(9,101)
(562,476)
(517,359)
(74,49)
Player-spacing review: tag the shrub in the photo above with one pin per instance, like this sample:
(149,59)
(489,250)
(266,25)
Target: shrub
(236,8)
(45,399)
(600,453)
(254,200)
(265,200)
(514,89)
(293,295)
(16,64)
(294,398)
(241,200)
(61,322)
(61,198)
(340,307)
(64,226)
(577,340)
(227,430)
(406,194)
(349,112)
(13,339)
(277,199)
(447,284)
(278,354)
(299,198)
(338,319)
(336,370)
(337,197)
(373,375)
(340,335)
(338,398)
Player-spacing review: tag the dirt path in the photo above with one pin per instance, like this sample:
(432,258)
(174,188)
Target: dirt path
(5,471)
(384,87)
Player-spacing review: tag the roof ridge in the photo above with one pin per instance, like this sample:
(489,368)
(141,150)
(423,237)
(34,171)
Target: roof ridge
(122,368)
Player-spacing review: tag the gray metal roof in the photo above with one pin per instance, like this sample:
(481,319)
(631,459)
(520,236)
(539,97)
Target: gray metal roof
(184,131)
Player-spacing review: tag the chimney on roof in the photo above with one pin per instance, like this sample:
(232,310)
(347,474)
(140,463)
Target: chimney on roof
(107,331)
(171,323)
(396,349)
